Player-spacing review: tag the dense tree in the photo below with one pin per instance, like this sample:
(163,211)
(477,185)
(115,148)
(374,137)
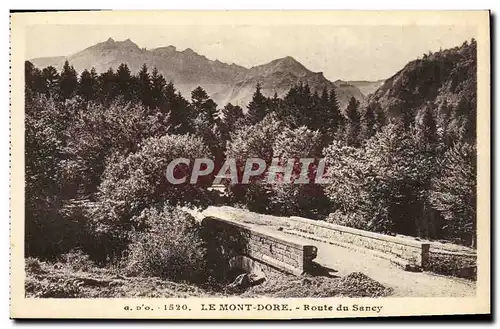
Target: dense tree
(144,87)
(426,129)
(379,115)
(453,192)
(88,86)
(368,124)
(68,81)
(288,198)
(202,104)
(108,88)
(253,141)
(158,84)
(232,118)
(258,107)
(34,80)
(47,234)
(140,179)
(123,80)
(381,183)
(179,110)
(51,78)
(353,123)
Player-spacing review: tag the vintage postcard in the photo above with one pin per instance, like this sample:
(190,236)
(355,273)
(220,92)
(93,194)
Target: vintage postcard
(250,164)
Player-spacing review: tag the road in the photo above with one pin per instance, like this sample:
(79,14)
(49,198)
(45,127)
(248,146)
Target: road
(343,261)
(405,284)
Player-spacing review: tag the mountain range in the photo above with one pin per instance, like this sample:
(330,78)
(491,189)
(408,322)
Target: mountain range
(223,82)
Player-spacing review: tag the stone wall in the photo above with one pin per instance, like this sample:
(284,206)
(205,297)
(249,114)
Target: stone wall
(413,252)
(275,249)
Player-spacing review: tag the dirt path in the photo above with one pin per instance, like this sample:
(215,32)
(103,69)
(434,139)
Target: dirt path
(405,284)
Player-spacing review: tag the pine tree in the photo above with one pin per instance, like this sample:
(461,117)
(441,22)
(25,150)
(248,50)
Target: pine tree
(368,124)
(86,88)
(274,103)
(124,82)
(353,123)
(51,80)
(257,108)
(178,109)
(379,115)
(443,123)
(232,115)
(334,120)
(108,88)
(158,84)
(144,82)
(33,78)
(202,104)
(325,99)
(314,117)
(68,81)
(426,130)
(290,111)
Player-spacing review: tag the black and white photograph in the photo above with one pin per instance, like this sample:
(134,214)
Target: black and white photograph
(236,160)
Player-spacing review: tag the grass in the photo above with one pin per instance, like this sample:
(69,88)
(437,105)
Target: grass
(59,280)
(453,265)
(63,280)
(286,286)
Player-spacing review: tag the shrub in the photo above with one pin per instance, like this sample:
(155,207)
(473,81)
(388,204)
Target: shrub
(350,219)
(57,288)
(139,179)
(77,260)
(33,265)
(454,265)
(169,246)
(131,183)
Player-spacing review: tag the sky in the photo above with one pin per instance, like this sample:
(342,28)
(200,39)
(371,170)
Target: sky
(340,52)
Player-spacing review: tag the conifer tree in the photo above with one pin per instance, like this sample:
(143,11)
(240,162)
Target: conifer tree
(33,77)
(158,84)
(257,108)
(325,99)
(85,87)
(144,84)
(68,81)
(274,103)
(124,82)
(368,124)
(51,80)
(202,104)
(108,88)
(379,115)
(334,121)
(426,130)
(353,123)
(232,115)
(178,109)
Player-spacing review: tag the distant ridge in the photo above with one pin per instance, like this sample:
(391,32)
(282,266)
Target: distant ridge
(187,69)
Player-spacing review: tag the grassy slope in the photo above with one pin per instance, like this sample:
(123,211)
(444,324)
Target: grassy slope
(64,280)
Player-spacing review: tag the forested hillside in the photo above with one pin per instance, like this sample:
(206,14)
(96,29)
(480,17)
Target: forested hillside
(98,144)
